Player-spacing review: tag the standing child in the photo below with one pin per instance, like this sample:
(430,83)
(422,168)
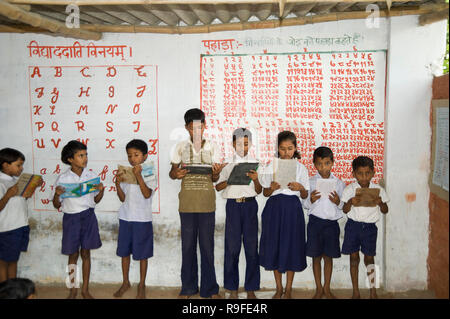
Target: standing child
(14,229)
(360,229)
(241,220)
(197,206)
(282,244)
(135,217)
(80,226)
(323,229)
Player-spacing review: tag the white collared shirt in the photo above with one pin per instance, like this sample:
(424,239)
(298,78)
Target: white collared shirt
(74,205)
(266,178)
(323,207)
(363,214)
(236,191)
(15,214)
(208,154)
(135,207)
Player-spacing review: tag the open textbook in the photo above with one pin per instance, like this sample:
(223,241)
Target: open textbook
(27,184)
(238,175)
(367,196)
(79,189)
(325,186)
(284,171)
(126,172)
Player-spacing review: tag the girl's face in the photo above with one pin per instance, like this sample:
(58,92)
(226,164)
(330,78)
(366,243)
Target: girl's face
(286,149)
(13,169)
(241,145)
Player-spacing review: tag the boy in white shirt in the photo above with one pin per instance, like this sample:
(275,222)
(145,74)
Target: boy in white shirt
(241,220)
(360,229)
(80,225)
(323,229)
(14,229)
(135,217)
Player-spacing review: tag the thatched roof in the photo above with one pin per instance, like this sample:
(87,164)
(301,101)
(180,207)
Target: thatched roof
(200,16)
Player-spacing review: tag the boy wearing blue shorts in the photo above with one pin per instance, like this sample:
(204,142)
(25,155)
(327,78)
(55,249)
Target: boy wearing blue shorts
(135,217)
(360,229)
(14,229)
(323,227)
(80,225)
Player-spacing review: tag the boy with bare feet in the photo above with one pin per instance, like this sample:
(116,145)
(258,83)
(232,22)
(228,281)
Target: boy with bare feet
(135,217)
(360,229)
(80,225)
(323,229)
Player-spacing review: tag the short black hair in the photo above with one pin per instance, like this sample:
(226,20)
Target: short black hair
(323,152)
(194,114)
(287,136)
(362,161)
(70,149)
(242,132)
(9,155)
(139,145)
(16,288)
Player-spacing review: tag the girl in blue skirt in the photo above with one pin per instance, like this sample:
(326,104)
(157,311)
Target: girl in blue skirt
(282,244)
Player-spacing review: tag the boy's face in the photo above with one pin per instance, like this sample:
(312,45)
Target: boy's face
(363,175)
(13,169)
(135,156)
(241,146)
(79,159)
(196,129)
(323,166)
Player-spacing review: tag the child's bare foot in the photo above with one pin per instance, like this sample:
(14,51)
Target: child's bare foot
(356,295)
(373,294)
(233,294)
(251,295)
(329,295)
(218,296)
(86,295)
(278,294)
(125,286)
(73,293)
(318,294)
(287,294)
(141,292)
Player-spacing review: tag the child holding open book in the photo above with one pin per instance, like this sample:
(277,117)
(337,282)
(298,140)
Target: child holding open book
(241,222)
(80,225)
(14,229)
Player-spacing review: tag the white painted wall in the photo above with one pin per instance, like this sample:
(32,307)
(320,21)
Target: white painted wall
(410,49)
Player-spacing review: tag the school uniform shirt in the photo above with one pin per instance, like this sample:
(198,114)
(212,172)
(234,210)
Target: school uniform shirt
(208,154)
(266,178)
(363,214)
(74,205)
(15,214)
(236,191)
(135,207)
(323,207)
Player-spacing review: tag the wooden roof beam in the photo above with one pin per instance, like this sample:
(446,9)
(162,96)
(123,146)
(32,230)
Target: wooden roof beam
(223,13)
(323,7)
(142,14)
(432,17)
(184,14)
(263,11)
(244,11)
(161,12)
(202,13)
(303,9)
(16,13)
(117,12)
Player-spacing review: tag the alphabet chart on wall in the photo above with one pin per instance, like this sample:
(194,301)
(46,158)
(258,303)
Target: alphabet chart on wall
(104,107)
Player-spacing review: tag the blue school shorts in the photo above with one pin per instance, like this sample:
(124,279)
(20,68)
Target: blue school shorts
(322,237)
(13,242)
(360,236)
(80,230)
(135,238)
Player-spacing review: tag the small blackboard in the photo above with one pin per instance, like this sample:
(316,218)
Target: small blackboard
(198,169)
(239,176)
